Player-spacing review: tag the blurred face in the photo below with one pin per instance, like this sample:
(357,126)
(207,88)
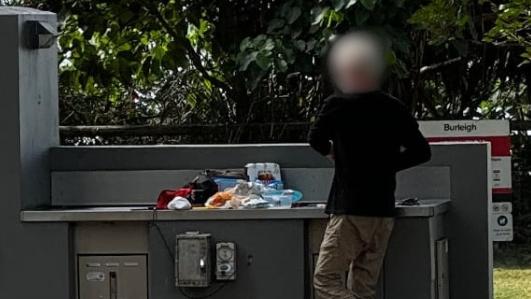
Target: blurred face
(355,79)
(356,64)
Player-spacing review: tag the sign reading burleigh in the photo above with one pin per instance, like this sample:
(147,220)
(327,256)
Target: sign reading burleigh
(497,132)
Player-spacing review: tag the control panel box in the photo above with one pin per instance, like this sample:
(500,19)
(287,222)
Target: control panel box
(192,260)
(225,261)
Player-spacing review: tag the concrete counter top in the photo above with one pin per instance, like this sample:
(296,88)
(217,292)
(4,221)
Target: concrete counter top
(427,208)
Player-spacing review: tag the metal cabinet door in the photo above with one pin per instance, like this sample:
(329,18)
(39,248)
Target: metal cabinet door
(112,277)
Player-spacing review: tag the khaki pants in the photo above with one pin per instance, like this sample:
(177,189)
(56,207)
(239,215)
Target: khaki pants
(356,244)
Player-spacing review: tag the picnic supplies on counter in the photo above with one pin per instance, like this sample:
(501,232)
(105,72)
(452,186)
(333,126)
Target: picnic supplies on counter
(225,183)
(226,178)
(294,195)
(203,187)
(247,188)
(281,202)
(275,184)
(254,202)
(226,173)
(244,194)
(251,195)
(229,189)
(263,172)
(179,203)
(219,200)
(166,196)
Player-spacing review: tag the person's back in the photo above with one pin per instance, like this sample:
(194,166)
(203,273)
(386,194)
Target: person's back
(370,136)
(368,131)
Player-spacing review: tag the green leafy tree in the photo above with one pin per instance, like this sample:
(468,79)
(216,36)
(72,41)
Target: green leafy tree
(240,62)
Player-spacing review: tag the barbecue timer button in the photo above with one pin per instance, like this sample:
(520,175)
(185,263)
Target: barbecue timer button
(224,268)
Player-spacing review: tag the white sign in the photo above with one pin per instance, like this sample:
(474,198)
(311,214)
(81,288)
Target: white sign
(501,174)
(497,132)
(502,222)
(465,128)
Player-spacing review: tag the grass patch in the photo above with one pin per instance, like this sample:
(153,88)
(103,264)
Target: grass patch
(512,283)
(512,271)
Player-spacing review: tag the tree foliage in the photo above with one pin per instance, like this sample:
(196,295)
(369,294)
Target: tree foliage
(513,27)
(184,61)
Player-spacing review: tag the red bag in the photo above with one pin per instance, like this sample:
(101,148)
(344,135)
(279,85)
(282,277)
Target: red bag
(166,196)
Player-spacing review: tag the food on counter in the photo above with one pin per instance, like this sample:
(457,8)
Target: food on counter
(219,199)
(252,195)
(259,186)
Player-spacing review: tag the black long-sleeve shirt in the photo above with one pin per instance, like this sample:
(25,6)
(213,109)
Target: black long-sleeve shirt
(371,136)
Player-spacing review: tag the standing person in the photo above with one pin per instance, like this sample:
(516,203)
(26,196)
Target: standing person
(370,136)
